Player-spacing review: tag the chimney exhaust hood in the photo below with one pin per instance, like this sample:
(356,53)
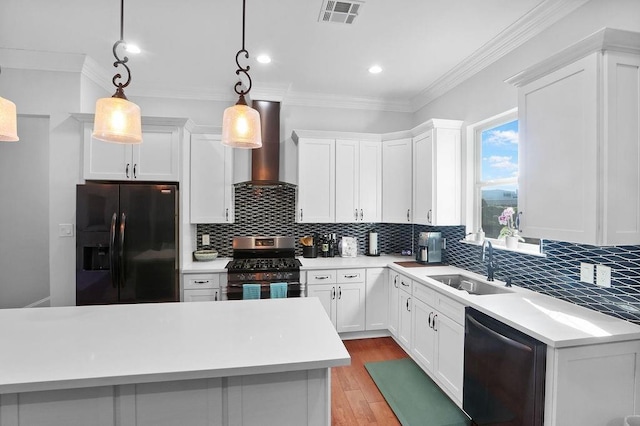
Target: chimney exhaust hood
(265,161)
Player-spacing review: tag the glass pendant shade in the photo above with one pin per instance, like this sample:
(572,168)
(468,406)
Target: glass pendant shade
(8,121)
(241,127)
(117,120)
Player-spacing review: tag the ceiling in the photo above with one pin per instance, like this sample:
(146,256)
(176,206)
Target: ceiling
(189,48)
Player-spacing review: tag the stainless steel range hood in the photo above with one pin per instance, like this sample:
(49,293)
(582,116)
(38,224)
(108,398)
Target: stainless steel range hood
(265,161)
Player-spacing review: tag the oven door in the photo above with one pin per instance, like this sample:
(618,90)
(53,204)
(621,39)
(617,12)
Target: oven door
(504,373)
(235,290)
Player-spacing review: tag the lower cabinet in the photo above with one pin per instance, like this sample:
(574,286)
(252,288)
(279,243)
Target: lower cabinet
(438,338)
(405,306)
(394,303)
(342,293)
(376,299)
(202,287)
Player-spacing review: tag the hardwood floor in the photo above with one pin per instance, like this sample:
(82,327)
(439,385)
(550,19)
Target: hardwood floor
(355,399)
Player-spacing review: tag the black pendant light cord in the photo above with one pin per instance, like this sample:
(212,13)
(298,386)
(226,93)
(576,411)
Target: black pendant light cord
(238,86)
(119,85)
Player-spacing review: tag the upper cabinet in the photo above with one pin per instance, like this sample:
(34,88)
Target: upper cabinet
(157,158)
(316,180)
(580,142)
(358,181)
(437,174)
(211,176)
(396,181)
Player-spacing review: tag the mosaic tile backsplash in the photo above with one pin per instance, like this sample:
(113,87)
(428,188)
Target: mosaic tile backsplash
(271,211)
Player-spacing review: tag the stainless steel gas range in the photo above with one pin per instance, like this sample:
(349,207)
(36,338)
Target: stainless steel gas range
(263,261)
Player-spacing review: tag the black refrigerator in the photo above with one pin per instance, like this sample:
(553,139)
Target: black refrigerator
(126,244)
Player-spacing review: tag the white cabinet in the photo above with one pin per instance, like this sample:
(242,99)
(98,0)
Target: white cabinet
(377,299)
(157,158)
(405,306)
(342,293)
(396,181)
(437,174)
(316,180)
(211,190)
(202,287)
(394,302)
(580,142)
(358,181)
(438,338)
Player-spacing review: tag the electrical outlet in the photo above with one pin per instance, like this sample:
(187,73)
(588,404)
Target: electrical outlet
(586,272)
(65,230)
(205,240)
(603,276)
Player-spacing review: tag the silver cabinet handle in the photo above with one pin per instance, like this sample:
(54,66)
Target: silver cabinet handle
(519,221)
(434,322)
(135,173)
(395,281)
(402,282)
(429,216)
(352,276)
(333,293)
(321,277)
(361,215)
(201,282)
(408,214)
(339,292)
(126,171)
(355,214)
(301,215)
(215,298)
(226,214)
(430,315)
(408,309)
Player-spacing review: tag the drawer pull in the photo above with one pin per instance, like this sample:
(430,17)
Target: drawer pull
(201,282)
(352,276)
(322,277)
(402,282)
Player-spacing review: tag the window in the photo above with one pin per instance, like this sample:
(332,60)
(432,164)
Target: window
(495,173)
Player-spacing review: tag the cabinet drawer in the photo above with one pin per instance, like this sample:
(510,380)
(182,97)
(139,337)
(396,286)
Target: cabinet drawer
(195,281)
(202,295)
(404,283)
(351,275)
(424,293)
(450,308)
(325,276)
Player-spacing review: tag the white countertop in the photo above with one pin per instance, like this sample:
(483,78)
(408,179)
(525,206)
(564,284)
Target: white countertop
(69,347)
(552,321)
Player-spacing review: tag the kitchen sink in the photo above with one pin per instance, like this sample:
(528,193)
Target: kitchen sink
(470,285)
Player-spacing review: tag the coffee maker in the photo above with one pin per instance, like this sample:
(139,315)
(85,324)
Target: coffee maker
(430,247)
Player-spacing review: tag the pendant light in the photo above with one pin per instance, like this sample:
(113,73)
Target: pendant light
(118,119)
(241,123)
(8,120)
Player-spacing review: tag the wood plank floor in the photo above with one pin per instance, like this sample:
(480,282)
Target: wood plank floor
(355,399)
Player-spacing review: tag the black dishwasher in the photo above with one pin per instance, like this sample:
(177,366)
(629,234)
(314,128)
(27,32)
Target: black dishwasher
(504,373)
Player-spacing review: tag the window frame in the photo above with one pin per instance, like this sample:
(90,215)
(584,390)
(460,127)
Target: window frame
(474,176)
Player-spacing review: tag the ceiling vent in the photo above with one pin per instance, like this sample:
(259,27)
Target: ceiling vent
(341,12)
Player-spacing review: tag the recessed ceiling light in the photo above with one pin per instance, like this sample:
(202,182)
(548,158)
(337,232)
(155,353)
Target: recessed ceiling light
(375,69)
(263,59)
(132,48)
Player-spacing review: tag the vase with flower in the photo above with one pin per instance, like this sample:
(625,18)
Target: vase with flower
(509,231)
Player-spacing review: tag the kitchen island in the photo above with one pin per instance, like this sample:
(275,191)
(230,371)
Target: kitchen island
(241,362)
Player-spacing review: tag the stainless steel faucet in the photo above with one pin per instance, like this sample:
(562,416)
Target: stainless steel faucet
(486,256)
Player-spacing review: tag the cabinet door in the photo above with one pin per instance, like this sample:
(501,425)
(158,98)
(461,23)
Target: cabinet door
(157,158)
(404,320)
(424,338)
(370,177)
(211,175)
(327,295)
(316,181)
(202,295)
(622,150)
(396,181)
(449,361)
(351,307)
(558,154)
(347,181)
(423,179)
(394,302)
(377,299)
(105,160)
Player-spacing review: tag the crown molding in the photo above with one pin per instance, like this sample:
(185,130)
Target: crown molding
(39,60)
(96,73)
(533,23)
(339,101)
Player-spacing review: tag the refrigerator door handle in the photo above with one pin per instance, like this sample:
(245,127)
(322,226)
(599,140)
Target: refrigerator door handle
(123,224)
(112,251)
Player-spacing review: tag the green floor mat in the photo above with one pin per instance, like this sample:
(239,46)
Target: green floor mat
(414,398)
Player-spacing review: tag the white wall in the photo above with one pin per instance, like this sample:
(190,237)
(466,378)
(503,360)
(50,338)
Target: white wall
(24,216)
